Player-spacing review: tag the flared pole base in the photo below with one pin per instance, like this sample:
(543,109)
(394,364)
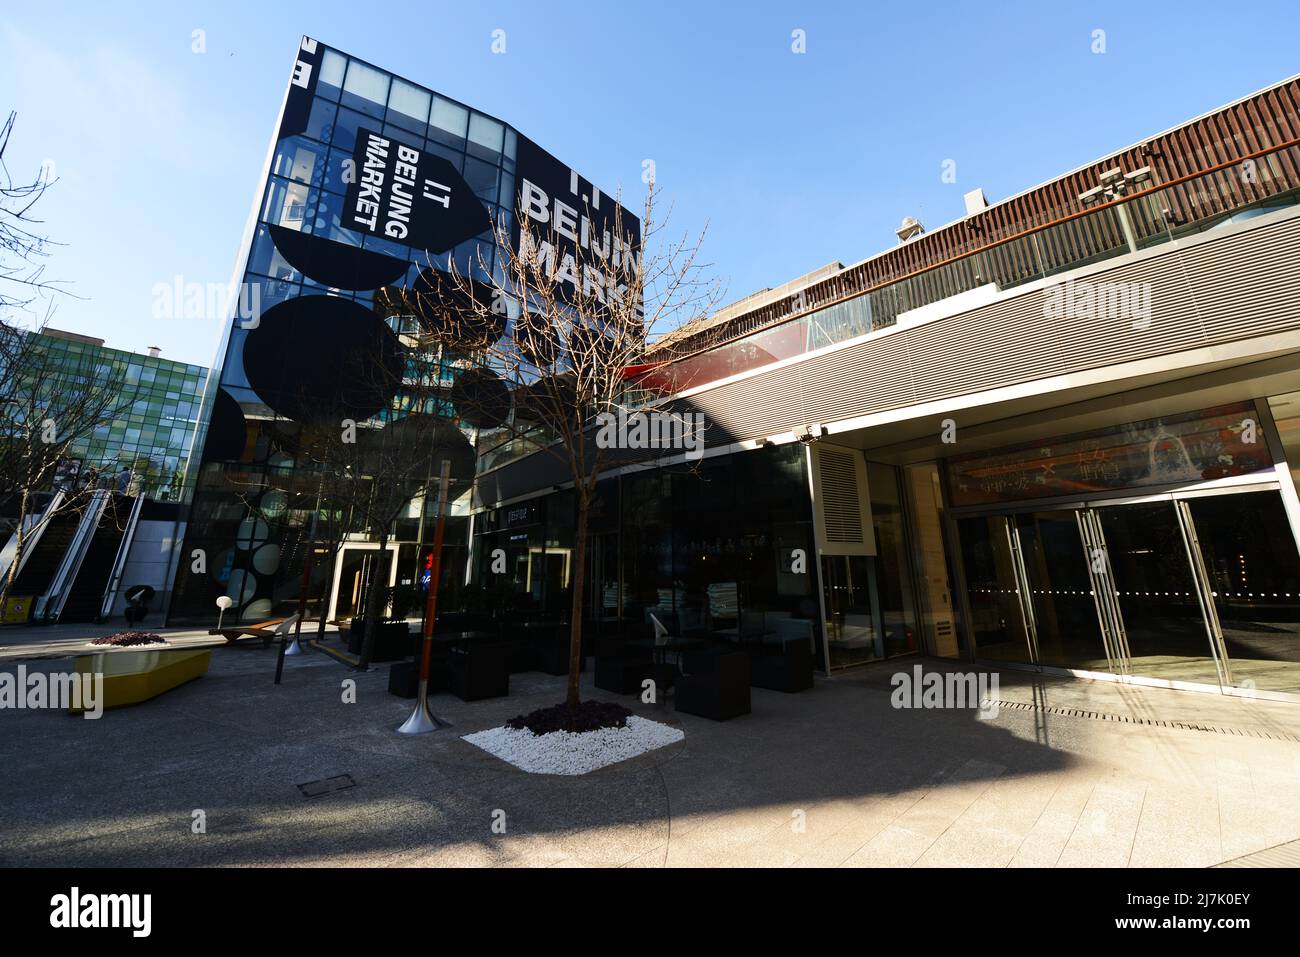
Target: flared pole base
(422,720)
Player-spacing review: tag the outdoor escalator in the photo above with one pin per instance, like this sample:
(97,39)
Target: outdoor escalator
(85,594)
(47,554)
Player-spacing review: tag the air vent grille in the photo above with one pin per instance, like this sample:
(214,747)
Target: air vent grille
(841,514)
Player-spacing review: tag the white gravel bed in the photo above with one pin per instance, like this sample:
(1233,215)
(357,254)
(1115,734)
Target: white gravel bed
(566,752)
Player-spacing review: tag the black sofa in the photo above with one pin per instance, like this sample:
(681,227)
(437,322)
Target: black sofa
(548,644)
(404,676)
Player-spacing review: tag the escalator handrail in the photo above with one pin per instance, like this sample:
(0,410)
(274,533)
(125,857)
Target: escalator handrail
(57,591)
(119,561)
(37,526)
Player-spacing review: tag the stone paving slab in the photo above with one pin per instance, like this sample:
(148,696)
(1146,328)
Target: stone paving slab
(830,777)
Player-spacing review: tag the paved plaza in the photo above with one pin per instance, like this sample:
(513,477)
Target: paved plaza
(1068,773)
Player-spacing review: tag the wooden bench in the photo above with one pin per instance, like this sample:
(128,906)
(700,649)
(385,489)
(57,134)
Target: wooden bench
(268,630)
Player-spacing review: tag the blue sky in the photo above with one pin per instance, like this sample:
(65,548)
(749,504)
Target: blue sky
(794,160)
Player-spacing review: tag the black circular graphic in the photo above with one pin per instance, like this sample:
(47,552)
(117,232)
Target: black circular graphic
(481,398)
(538,341)
(321,359)
(457,312)
(550,400)
(336,265)
(420,435)
(227,431)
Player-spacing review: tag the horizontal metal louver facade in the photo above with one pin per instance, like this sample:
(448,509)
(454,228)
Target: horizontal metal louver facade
(1208,291)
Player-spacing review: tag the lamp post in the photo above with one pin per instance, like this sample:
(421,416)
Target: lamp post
(422,721)
(1115,183)
(223,603)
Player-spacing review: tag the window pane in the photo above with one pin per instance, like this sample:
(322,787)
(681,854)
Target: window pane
(482,178)
(320,123)
(332,66)
(366,89)
(410,103)
(455,157)
(328,221)
(450,118)
(345,130)
(301,160)
(286,204)
(487,134)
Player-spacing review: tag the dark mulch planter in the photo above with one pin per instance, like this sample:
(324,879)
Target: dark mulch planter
(590,716)
(128,639)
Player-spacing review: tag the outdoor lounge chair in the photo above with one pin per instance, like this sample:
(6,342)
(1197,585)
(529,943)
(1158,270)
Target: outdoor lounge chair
(268,631)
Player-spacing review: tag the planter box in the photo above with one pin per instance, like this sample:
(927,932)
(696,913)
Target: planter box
(393,640)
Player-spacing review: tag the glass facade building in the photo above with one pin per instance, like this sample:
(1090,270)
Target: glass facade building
(372,184)
(146,446)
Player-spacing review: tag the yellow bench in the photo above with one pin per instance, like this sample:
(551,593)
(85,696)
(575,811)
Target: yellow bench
(134,676)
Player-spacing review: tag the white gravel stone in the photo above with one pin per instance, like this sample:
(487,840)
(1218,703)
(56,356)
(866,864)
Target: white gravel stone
(567,752)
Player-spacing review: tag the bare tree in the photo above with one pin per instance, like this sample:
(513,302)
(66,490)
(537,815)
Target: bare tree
(583,317)
(24,247)
(51,402)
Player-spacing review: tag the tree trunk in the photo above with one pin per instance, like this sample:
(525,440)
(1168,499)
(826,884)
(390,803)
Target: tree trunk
(374,606)
(20,541)
(576,611)
(325,594)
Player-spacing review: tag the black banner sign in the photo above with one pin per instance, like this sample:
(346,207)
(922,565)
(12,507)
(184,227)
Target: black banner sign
(402,193)
(572,221)
(302,86)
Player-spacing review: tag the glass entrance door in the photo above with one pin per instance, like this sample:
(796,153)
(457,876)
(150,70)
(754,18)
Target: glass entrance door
(1254,575)
(359,569)
(1059,591)
(1194,588)
(999,622)
(1158,593)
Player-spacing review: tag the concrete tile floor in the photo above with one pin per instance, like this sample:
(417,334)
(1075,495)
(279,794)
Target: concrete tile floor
(830,777)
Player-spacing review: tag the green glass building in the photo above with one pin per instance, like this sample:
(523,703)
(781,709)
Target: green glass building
(146,446)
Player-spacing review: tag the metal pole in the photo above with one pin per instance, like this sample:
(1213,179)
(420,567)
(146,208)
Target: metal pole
(294,647)
(1130,237)
(284,640)
(422,721)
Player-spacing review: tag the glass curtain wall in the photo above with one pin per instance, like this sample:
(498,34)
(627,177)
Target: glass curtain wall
(722,548)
